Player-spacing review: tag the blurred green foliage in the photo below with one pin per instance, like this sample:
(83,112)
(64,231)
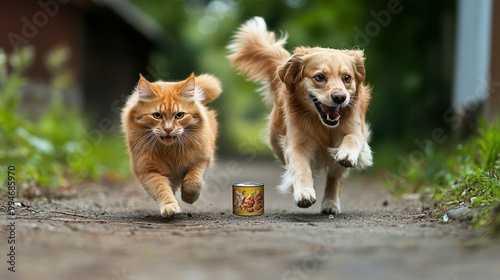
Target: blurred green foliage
(409,50)
(469,174)
(54,149)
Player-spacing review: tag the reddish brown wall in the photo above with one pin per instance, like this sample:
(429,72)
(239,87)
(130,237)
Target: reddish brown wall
(44,30)
(107,52)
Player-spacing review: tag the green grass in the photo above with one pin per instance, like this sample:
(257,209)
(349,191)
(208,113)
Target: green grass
(468,174)
(56,149)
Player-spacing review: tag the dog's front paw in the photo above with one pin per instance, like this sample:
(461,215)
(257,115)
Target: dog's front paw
(304,197)
(168,210)
(330,206)
(346,158)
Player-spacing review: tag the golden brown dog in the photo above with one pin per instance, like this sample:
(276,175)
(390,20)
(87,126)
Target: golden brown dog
(319,107)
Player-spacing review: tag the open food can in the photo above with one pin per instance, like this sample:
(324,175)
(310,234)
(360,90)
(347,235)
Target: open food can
(248,198)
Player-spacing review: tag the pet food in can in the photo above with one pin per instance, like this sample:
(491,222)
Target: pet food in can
(248,198)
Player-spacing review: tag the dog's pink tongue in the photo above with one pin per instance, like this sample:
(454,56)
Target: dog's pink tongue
(325,108)
(333,112)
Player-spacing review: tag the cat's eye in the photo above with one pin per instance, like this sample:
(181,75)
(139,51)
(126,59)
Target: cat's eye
(320,78)
(179,115)
(157,115)
(347,78)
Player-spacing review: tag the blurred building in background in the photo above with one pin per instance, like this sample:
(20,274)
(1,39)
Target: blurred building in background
(493,110)
(476,91)
(110,43)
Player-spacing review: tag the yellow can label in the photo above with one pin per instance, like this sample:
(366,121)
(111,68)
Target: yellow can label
(248,200)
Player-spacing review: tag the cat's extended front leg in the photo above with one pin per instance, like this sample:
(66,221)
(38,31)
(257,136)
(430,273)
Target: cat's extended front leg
(193,182)
(159,187)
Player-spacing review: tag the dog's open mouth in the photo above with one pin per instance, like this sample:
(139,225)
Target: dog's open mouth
(330,115)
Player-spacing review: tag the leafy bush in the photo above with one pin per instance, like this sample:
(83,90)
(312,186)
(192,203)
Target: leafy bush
(52,150)
(469,174)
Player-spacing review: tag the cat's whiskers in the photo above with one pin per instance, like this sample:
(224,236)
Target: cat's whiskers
(187,140)
(141,139)
(151,141)
(147,140)
(153,145)
(182,144)
(193,137)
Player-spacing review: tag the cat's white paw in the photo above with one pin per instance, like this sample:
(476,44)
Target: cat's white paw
(168,210)
(304,197)
(330,206)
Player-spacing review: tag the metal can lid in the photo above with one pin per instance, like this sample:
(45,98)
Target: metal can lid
(248,184)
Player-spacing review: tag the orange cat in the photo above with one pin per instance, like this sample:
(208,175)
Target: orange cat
(170,137)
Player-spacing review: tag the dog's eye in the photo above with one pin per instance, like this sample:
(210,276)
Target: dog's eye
(346,78)
(320,78)
(157,115)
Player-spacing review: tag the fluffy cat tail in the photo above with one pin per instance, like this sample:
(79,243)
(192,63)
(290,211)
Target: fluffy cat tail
(256,53)
(210,85)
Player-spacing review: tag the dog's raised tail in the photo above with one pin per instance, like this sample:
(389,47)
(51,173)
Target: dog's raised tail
(256,52)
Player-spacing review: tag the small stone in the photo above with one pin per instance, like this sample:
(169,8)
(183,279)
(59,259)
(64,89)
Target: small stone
(461,212)
(385,203)
(445,218)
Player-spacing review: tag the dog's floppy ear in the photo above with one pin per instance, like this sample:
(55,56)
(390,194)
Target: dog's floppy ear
(358,57)
(290,72)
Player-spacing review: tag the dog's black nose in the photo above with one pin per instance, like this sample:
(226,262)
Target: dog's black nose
(338,97)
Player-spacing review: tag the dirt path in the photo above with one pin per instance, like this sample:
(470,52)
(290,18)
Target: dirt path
(116,233)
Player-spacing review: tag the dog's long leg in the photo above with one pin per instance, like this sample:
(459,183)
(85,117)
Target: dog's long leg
(331,200)
(298,174)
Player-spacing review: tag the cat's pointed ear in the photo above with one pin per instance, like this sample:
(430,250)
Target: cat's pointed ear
(145,90)
(189,88)
(191,91)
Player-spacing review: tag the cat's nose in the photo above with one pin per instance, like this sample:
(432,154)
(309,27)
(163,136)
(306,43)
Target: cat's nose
(168,130)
